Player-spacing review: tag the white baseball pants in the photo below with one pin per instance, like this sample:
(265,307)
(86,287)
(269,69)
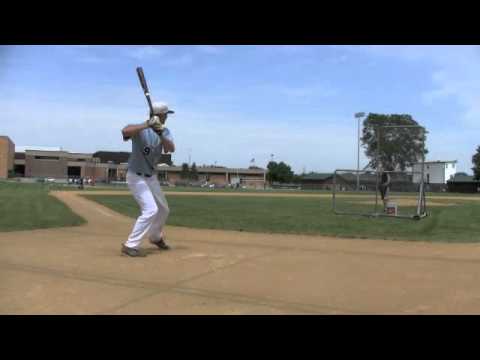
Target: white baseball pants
(154,207)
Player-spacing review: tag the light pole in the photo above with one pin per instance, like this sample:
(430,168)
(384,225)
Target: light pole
(358,116)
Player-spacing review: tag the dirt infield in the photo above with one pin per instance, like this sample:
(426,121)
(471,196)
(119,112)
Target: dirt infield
(79,270)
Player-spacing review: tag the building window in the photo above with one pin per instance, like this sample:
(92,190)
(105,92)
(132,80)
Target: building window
(19,170)
(47,158)
(74,171)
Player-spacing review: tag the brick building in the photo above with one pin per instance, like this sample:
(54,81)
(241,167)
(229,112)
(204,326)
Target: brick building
(108,166)
(7,153)
(317,181)
(102,166)
(219,176)
(57,164)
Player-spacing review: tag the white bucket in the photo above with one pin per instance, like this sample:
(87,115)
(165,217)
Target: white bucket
(392,208)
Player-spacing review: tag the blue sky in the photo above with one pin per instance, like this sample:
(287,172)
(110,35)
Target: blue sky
(235,103)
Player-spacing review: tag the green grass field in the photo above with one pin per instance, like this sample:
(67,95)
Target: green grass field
(106,187)
(458,223)
(253,191)
(28,206)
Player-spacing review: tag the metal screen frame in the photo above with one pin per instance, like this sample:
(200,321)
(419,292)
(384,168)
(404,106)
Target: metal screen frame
(421,211)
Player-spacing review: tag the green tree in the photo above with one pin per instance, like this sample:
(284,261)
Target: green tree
(194,172)
(185,173)
(476,164)
(399,147)
(279,172)
(271,172)
(285,172)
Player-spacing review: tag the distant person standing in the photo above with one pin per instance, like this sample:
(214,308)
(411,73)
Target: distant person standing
(384,187)
(148,141)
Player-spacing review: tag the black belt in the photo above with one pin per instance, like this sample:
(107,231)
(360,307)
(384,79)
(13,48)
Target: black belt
(146,175)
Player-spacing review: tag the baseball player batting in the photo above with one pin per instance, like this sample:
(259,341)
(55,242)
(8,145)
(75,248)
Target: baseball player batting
(149,139)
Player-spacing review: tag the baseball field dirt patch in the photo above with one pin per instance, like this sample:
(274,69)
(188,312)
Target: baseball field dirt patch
(79,270)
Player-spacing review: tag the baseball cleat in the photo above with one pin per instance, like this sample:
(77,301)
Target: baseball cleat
(131,252)
(161,244)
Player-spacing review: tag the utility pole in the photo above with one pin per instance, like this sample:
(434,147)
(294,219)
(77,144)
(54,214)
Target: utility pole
(358,116)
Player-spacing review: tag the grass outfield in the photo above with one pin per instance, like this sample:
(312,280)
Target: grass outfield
(28,206)
(253,191)
(106,187)
(456,223)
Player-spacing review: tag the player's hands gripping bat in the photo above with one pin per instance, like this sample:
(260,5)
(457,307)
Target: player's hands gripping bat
(156,124)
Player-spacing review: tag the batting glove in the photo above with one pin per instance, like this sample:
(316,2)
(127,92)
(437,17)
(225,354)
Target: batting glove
(155,123)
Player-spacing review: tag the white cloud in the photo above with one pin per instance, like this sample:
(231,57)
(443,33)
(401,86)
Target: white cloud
(146,52)
(92,59)
(210,49)
(308,92)
(232,141)
(88,124)
(456,144)
(292,49)
(87,54)
(303,94)
(455,73)
(404,52)
(182,60)
(295,49)
(83,46)
(340,59)
(93,121)
(161,56)
(462,85)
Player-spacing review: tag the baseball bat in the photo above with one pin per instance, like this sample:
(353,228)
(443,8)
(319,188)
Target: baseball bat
(143,82)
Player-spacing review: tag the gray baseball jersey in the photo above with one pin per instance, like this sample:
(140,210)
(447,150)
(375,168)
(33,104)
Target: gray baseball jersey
(146,151)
